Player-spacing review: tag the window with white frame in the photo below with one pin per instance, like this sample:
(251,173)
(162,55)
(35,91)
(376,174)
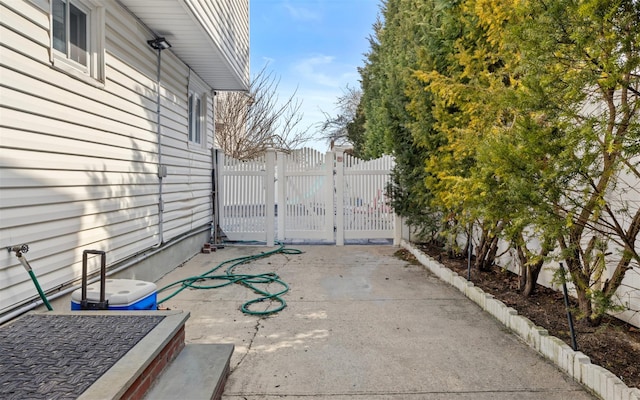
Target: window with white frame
(197,111)
(195,118)
(77,37)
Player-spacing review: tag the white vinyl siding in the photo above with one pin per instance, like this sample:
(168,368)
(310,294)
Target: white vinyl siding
(217,17)
(212,37)
(197,109)
(78,162)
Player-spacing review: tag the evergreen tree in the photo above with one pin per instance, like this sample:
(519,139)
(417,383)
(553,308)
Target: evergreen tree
(580,67)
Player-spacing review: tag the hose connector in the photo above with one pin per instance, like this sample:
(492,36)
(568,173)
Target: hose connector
(23,248)
(23,260)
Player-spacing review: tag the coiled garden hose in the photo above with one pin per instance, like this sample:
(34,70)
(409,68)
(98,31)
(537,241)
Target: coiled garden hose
(248,280)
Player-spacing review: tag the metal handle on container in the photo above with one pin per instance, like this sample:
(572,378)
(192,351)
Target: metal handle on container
(103,304)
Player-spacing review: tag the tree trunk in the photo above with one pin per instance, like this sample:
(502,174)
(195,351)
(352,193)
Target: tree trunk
(482,254)
(489,254)
(481,250)
(493,250)
(533,271)
(584,306)
(488,248)
(580,279)
(529,272)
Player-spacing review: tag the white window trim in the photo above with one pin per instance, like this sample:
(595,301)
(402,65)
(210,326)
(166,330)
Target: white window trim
(93,73)
(200,89)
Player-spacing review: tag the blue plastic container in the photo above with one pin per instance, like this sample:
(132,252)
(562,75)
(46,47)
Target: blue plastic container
(122,294)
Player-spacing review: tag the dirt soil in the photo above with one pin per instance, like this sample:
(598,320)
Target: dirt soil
(614,345)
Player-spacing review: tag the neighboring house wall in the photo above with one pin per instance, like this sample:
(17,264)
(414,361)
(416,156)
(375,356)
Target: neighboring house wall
(628,295)
(624,197)
(79,155)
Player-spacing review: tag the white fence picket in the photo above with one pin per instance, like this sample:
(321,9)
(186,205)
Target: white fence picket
(311,202)
(305,207)
(242,190)
(367,212)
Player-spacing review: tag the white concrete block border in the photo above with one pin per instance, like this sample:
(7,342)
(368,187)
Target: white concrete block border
(577,365)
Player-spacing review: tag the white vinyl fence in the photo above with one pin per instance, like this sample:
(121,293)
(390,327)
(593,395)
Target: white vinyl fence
(365,210)
(305,195)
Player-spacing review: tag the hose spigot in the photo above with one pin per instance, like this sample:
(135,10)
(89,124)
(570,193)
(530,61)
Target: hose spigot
(19,249)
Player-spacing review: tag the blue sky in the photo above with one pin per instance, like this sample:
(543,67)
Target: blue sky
(315,46)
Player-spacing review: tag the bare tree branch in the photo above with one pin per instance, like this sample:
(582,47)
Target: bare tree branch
(247,123)
(334,128)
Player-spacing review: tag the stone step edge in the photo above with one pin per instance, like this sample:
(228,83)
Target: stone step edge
(199,372)
(131,376)
(576,364)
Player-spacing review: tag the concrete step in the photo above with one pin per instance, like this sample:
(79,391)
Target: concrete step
(198,372)
(87,355)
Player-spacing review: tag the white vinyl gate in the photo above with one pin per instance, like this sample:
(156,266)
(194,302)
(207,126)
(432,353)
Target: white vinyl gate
(304,195)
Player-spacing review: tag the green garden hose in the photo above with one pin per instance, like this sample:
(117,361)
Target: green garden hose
(23,260)
(39,289)
(248,280)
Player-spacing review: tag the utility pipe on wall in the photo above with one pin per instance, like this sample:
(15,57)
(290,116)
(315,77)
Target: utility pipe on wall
(159,44)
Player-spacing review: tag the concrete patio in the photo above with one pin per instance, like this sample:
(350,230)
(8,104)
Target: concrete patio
(360,323)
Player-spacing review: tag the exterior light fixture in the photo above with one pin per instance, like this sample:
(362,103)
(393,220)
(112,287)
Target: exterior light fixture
(159,43)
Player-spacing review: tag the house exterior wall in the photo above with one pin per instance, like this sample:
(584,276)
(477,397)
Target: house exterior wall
(79,157)
(234,43)
(223,58)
